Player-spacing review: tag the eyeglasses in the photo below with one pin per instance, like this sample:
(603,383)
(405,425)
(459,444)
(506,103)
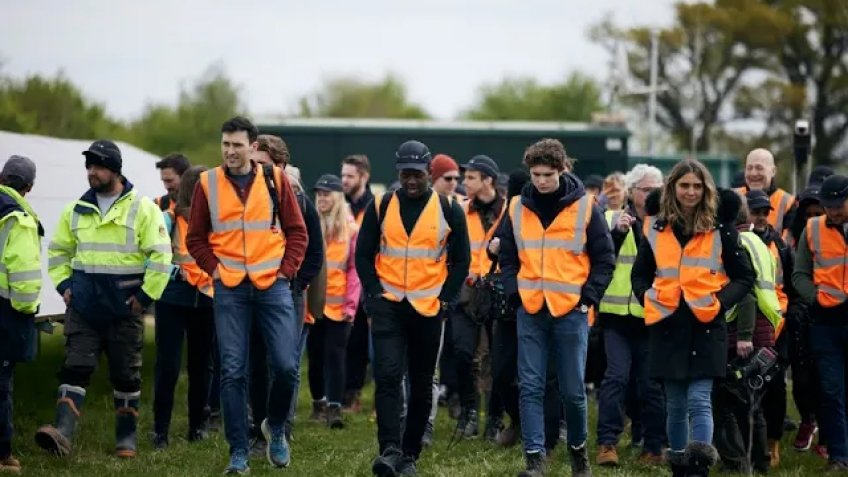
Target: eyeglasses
(450,178)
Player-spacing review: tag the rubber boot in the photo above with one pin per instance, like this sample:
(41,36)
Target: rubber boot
(700,456)
(126,422)
(58,438)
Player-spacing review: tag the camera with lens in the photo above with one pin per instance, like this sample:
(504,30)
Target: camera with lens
(754,371)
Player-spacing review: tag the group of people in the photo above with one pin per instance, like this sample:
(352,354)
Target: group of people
(700,299)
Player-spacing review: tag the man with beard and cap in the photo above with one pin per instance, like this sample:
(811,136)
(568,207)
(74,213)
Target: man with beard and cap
(20,287)
(412,256)
(557,258)
(110,258)
(355,174)
(819,278)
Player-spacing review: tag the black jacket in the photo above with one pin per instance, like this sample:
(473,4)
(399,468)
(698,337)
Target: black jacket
(598,242)
(314,258)
(680,346)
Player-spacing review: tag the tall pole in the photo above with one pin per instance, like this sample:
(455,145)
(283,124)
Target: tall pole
(652,101)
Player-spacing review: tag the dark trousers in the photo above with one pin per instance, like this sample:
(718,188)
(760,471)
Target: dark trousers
(122,341)
(315,354)
(505,367)
(447,363)
(357,352)
(336,334)
(466,334)
(732,435)
(805,380)
(830,348)
(173,324)
(403,341)
(214,370)
(7,374)
(774,401)
(627,359)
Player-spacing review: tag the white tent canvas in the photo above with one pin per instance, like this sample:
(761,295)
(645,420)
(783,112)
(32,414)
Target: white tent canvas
(61,179)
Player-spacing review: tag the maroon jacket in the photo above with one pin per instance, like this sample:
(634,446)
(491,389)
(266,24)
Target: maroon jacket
(293,227)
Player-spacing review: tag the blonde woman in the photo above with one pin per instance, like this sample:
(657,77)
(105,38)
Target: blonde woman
(327,341)
(615,191)
(690,269)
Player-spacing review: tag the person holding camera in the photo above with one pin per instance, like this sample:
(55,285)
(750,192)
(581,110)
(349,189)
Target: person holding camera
(752,325)
(819,277)
(621,319)
(689,271)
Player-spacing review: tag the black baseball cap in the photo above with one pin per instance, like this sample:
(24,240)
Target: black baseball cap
(329,183)
(594,181)
(834,191)
(484,164)
(412,155)
(104,153)
(758,199)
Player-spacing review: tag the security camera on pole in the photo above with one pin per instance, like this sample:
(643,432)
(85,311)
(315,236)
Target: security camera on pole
(801,147)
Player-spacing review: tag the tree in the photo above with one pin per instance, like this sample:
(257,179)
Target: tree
(347,97)
(703,58)
(574,99)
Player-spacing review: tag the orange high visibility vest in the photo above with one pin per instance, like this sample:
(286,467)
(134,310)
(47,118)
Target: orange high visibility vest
(479,238)
(781,202)
(414,266)
(337,255)
(192,273)
(827,244)
(242,237)
(696,271)
(554,264)
(171,203)
(778,279)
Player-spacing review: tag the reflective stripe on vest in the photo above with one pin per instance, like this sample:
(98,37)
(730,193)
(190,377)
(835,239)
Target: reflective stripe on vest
(554,264)
(479,239)
(695,271)
(189,269)
(337,254)
(414,266)
(7,291)
(619,298)
(764,286)
(242,237)
(827,245)
(778,279)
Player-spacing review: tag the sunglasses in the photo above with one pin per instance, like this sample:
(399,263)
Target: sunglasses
(450,178)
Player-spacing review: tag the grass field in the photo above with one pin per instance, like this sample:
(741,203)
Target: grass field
(316,450)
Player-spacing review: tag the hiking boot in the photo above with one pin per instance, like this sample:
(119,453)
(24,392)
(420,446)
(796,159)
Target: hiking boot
(650,459)
(334,417)
(407,466)
(804,438)
(493,426)
(58,438)
(700,456)
(159,441)
(535,465)
(427,437)
(387,463)
(508,436)
(774,453)
(580,461)
(319,411)
(607,456)
(277,452)
(196,435)
(472,424)
(238,463)
(126,423)
(11,465)
(677,461)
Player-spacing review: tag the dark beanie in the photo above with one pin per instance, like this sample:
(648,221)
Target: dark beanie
(517,179)
(103,153)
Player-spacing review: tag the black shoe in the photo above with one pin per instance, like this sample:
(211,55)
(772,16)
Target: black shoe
(334,417)
(700,456)
(677,462)
(579,461)
(387,463)
(407,466)
(195,435)
(494,426)
(535,465)
(427,438)
(159,440)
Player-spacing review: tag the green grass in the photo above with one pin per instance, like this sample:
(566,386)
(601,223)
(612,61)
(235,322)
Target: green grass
(316,450)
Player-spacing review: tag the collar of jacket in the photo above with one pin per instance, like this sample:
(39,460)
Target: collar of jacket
(90,198)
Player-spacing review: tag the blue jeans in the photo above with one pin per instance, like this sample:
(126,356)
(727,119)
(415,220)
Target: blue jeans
(627,351)
(829,344)
(566,340)
(300,309)
(7,372)
(235,310)
(689,400)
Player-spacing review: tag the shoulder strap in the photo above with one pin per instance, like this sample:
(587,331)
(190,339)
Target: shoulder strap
(382,207)
(164,202)
(270,183)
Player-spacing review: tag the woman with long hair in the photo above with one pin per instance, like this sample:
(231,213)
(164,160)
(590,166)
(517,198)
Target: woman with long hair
(327,342)
(183,312)
(689,271)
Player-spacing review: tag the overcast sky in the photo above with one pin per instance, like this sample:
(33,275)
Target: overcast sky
(128,54)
